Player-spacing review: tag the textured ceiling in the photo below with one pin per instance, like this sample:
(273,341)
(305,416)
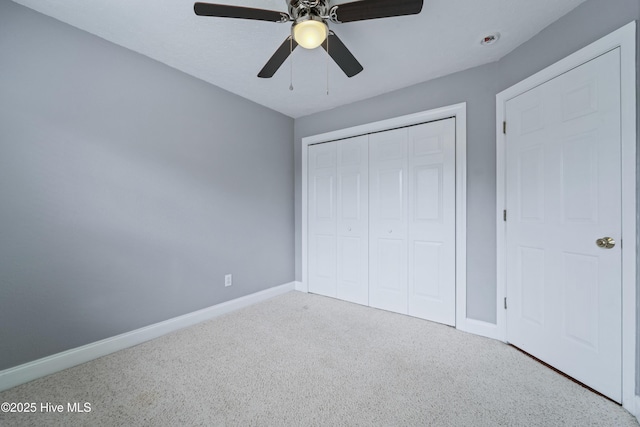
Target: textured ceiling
(395,52)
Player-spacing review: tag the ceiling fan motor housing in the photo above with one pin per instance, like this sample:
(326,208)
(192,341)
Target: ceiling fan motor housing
(303,10)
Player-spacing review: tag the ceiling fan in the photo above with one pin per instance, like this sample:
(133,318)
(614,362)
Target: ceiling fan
(310,25)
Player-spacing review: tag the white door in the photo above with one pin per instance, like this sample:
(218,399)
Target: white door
(382,220)
(563,191)
(388,220)
(353,224)
(432,221)
(322,219)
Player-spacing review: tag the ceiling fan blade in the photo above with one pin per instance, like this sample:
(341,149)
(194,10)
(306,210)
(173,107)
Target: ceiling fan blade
(278,58)
(226,11)
(341,55)
(373,9)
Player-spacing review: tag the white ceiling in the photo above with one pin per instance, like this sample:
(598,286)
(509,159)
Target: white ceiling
(395,52)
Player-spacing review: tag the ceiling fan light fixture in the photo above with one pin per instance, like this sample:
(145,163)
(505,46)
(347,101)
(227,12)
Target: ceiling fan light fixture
(310,33)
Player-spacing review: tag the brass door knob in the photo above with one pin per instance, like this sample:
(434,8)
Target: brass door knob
(606,243)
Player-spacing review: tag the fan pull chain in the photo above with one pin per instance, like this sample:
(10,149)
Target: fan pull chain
(328,56)
(291,63)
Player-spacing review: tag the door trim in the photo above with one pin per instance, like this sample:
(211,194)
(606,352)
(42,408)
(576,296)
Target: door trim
(459,111)
(625,39)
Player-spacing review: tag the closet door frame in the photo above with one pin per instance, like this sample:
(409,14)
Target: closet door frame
(457,111)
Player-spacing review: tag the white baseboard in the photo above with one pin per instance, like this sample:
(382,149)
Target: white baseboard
(51,364)
(634,408)
(301,287)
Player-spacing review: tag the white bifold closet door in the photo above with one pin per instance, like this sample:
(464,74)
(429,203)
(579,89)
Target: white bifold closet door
(388,221)
(338,220)
(382,220)
(432,221)
(353,220)
(412,221)
(322,219)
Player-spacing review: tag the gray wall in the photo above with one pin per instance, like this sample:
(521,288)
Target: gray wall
(127,190)
(585,24)
(478,87)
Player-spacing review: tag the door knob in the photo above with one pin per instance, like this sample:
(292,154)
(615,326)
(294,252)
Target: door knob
(606,243)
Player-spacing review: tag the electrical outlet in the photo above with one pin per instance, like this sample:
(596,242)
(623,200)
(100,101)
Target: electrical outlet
(228,280)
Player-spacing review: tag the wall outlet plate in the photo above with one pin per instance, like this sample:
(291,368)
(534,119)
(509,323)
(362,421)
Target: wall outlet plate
(228,280)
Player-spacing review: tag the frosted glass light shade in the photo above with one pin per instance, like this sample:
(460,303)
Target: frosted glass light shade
(310,34)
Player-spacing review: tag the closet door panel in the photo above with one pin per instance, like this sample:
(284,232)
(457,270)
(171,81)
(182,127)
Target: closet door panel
(388,220)
(382,220)
(431,221)
(322,213)
(353,220)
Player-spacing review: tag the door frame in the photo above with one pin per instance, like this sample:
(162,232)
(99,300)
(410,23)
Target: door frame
(625,39)
(457,111)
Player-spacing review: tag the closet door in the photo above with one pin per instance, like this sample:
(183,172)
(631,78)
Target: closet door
(431,248)
(353,224)
(388,220)
(322,219)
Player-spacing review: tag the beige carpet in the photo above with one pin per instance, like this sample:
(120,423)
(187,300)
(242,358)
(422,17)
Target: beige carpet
(304,360)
